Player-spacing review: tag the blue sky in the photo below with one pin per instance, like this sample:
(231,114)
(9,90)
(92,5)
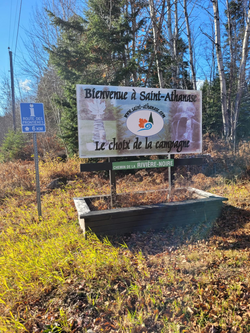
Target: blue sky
(9,16)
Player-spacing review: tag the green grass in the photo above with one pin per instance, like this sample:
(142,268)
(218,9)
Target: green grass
(38,255)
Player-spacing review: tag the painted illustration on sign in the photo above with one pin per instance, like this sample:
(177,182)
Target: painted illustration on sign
(127,121)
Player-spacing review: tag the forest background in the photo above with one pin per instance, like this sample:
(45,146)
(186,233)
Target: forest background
(141,43)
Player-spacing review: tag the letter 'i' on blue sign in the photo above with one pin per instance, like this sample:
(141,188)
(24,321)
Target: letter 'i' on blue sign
(32,118)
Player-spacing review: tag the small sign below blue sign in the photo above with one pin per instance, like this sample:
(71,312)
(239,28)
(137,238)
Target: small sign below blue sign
(32,118)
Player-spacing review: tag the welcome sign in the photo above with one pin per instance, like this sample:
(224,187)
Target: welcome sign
(128,121)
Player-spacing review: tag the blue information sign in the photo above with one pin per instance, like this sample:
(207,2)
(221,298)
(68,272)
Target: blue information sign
(32,118)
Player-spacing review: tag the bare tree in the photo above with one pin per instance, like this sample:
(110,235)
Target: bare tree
(134,29)
(241,76)
(170,38)
(175,32)
(221,72)
(36,65)
(42,34)
(229,107)
(6,119)
(157,20)
(6,115)
(176,37)
(190,46)
(232,62)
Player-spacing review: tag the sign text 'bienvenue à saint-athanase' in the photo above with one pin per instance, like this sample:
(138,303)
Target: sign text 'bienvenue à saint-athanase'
(127,121)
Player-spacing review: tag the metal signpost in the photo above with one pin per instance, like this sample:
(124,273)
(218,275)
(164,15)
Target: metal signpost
(144,164)
(33,121)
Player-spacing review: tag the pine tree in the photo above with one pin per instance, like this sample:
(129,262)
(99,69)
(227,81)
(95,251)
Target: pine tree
(151,118)
(101,49)
(94,50)
(149,69)
(211,108)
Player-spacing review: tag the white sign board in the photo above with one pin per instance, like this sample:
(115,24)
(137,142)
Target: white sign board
(127,121)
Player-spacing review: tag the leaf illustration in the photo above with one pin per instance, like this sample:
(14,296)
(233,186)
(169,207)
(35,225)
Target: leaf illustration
(96,106)
(142,122)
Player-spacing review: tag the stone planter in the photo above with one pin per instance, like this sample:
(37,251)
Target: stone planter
(196,214)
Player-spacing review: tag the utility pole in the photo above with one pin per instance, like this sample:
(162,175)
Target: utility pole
(12,91)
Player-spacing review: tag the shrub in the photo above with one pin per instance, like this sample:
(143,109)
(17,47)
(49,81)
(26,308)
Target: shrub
(12,147)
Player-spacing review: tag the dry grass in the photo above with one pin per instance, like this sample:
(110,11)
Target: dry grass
(15,175)
(54,280)
(138,199)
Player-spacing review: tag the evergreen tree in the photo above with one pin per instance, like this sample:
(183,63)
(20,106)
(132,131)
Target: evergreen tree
(211,108)
(243,131)
(149,68)
(94,50)
(69,127)
(101,49)
(151,118)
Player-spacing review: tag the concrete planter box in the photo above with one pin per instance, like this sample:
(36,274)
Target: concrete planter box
(198,214)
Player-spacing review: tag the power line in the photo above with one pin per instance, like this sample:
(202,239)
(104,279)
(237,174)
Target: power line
(14,27)
(20,9)
(10,21)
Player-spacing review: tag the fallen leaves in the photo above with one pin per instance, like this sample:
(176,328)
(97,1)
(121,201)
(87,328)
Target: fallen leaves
(153,282)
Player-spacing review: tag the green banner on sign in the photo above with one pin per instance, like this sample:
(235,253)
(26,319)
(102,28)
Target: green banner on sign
(129,165)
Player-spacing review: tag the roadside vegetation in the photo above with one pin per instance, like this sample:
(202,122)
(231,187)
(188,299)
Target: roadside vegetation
(52,279)
(55,280)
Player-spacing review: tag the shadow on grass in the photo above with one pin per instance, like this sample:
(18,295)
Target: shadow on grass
(233,228)
(230,229)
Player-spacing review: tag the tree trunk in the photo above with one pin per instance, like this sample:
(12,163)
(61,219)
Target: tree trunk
(132,4)
(223,89)
(241,75)
(171,41)
(231,73)
(176,34)
(156,37)
(191,61)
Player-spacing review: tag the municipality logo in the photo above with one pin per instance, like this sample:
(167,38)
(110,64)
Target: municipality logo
(145,122)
